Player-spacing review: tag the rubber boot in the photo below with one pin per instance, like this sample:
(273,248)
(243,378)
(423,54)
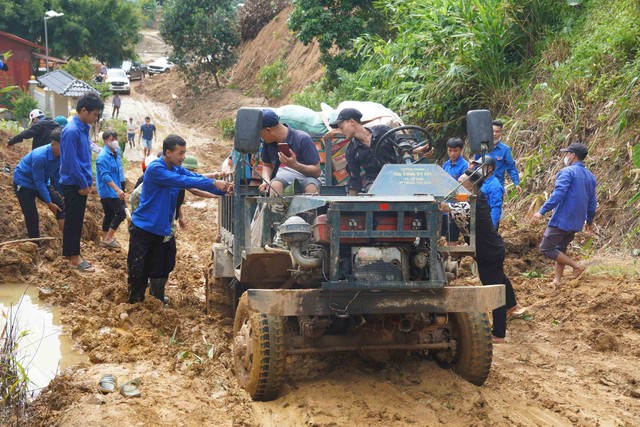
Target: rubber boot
(157,289)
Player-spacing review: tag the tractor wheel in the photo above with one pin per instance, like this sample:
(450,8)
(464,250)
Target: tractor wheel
(474,349)
(258,352)
(218,294)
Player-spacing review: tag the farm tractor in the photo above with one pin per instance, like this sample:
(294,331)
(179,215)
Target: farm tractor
(332,272)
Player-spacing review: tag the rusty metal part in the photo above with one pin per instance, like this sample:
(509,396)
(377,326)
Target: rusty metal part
(285,302)
(425,346)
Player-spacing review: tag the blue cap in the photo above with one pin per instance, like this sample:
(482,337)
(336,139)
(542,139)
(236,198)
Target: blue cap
(61,120)
(269,118)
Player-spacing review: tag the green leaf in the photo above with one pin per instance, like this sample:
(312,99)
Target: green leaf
(636,155)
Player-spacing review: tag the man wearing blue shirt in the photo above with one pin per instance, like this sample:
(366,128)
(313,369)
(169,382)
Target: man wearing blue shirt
(76,177)
(300,161)
(574,203)
(36,176)
(147,135)
(151,221)
(109,183)
(455,166)
(492,188)
(501,153)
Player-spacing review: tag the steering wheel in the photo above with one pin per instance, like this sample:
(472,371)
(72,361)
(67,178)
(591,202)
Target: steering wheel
(396,145)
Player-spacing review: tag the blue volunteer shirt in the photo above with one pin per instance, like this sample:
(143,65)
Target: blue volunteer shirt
(455,169)
(493,189)
(147,131)
(299,142)
(573,198)
(159,195)
(37,170)
(108,169)
(75,154)
(504,163)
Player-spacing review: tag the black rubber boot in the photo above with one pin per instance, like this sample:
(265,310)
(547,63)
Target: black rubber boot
(157,289)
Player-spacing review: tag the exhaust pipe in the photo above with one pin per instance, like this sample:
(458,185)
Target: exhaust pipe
(294,232)
(405,325)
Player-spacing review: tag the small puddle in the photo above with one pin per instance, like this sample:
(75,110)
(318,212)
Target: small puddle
(44,349)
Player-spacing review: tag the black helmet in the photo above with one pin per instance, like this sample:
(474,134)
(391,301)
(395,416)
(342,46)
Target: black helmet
(488,161)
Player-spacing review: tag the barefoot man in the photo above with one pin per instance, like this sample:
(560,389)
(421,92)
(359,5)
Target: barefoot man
(574,202)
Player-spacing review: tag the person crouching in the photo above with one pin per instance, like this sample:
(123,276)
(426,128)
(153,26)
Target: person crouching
(108,181)
(151,221)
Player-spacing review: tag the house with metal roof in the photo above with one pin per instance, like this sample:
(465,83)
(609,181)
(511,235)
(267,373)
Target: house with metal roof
(62,89)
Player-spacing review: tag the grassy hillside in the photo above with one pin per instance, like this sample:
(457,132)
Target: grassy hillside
(555,72)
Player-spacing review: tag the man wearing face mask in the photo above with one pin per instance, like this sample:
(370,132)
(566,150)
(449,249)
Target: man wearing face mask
(574,202)
(109,183)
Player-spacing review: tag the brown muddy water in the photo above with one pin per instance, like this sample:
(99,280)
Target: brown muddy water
(44,349)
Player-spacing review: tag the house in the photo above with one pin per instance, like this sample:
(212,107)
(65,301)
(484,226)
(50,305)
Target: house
(26,58)
(21,63)
(63,90)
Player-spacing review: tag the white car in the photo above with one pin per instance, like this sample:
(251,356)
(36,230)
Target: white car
(160,65)
(118,80)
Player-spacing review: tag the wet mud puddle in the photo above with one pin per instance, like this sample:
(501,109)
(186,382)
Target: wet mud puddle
(43,348)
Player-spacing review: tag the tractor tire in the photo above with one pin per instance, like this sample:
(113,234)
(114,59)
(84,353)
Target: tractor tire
(259,352)
(474,351)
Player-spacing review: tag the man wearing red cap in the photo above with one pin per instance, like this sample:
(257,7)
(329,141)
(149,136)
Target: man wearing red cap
(574,202)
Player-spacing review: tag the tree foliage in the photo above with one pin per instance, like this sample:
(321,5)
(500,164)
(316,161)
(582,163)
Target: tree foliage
(81,69)
(448,56)
(104,29)
(335,24)
(203,35)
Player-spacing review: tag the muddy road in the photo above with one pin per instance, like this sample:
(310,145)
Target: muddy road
(574,359)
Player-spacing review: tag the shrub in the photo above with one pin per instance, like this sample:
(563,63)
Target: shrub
(23,104)
(272,77)
(227,127)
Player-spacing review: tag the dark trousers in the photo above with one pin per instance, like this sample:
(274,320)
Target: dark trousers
(166,262)
(27,199)
(492,273)
(145,249)
(74,207)
(114,213)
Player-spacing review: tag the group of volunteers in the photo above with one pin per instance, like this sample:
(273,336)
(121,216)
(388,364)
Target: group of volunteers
(59,172)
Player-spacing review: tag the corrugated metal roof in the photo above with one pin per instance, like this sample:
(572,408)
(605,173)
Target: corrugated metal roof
(65,84)
(78,88)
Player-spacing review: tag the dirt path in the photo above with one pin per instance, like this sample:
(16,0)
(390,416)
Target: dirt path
(574,361)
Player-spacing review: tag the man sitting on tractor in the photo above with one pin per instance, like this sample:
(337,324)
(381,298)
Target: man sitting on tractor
(359,152)
(288,154)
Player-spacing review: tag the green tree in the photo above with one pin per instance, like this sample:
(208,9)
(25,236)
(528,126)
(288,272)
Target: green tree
(203,35)
(81,69)
(335,24)
(104,29)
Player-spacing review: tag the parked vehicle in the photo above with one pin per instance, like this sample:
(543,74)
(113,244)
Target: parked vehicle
(118,80)
(349,273)
(160,65)
(134,70)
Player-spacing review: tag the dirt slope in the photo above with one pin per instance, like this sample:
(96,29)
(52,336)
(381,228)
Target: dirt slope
(276,41)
